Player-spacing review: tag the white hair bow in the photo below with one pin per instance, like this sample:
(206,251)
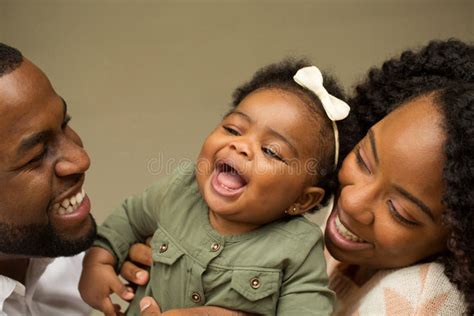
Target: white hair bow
(336,109)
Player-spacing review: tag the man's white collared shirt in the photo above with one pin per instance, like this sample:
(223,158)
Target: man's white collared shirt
(50,289)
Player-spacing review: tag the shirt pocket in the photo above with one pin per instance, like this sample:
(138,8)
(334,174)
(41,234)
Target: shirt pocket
(258,290)
(164,250)
(168,273)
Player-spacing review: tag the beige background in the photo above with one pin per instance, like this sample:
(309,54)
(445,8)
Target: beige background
(147,80)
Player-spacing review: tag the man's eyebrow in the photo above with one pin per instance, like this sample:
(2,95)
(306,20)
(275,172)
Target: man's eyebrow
(416,201)
(31,141)
(373,146)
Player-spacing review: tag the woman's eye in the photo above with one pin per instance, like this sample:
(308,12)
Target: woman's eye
(361,161)
(231,131)
(271,153)
(392,209)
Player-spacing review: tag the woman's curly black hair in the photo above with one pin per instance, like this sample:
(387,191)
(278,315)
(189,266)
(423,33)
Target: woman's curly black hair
(280,76)
(446,70)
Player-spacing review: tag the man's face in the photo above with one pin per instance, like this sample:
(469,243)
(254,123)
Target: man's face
(43,209)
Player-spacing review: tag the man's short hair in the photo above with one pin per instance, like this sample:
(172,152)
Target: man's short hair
(10,59)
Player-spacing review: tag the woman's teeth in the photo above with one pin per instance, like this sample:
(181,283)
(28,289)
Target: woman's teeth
(345,232)
(70,204)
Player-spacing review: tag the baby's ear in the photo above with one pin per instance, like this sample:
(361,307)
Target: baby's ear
(311,197)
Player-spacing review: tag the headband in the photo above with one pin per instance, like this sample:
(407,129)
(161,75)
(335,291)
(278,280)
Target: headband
(336,109)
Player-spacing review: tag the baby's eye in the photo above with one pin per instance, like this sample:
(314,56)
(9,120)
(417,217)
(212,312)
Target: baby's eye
(271,153)
(231,131)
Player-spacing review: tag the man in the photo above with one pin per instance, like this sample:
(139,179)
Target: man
(44,212)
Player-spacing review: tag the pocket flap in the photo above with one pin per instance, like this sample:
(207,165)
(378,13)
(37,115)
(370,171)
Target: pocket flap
(255,285)
(163,249)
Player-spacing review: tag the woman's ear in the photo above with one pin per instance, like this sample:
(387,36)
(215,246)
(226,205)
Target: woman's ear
(311,197)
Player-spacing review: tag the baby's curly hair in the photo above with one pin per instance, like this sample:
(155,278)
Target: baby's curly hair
(446,69)
(280,76)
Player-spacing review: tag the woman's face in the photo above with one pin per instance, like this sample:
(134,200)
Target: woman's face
(389,209)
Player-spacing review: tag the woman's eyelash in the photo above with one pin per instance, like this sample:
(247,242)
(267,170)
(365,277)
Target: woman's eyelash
(397,215)
(361,161)
(230,130)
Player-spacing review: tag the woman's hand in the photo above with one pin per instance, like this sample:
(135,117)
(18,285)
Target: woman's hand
(140,256)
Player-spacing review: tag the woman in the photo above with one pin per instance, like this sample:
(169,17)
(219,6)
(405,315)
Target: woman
(406,189)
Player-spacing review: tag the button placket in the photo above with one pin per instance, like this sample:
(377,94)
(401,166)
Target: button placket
(196,297)
(215,247)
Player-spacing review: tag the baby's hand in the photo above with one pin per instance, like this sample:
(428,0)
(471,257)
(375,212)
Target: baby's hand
(99,280)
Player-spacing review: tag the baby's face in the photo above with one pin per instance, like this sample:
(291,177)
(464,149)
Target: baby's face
(258,160)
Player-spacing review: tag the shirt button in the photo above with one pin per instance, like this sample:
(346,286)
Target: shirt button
(163,248)
(255,283)
(215,247)
(196,297)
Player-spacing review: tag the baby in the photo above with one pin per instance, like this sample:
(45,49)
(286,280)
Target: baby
(227,230)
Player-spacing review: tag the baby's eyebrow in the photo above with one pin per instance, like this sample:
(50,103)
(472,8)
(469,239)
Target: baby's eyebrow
(241,114)
(269,129)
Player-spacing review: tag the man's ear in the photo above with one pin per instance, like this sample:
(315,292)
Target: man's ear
(311,197)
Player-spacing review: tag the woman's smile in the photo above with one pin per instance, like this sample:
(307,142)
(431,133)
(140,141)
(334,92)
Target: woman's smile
(340,236)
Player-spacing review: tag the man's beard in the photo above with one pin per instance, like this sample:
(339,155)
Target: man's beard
(35,240)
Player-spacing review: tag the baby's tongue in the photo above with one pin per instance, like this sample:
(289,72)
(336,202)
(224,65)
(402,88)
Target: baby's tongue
(231,180)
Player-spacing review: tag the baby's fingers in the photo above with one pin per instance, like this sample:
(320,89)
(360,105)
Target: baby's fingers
(121,290)
(134,274)
(108,308)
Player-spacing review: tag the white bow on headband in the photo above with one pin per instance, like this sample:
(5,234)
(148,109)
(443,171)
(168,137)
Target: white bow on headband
(312,79)
(336,109)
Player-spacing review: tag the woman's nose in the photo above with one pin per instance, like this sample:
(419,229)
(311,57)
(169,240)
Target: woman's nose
(242,147)
(73,160)
(359,202)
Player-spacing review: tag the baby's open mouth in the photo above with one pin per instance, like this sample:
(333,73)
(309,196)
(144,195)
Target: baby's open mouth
(229,178)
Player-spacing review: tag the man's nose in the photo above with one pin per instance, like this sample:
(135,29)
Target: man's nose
(73,159)
(243,147)
(359,202)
